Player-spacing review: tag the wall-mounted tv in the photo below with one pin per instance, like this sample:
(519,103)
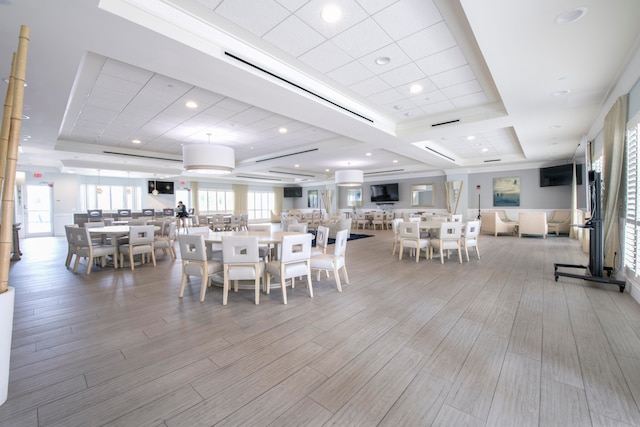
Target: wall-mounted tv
(559,175)
(292,191)
(384,193)
(163,187)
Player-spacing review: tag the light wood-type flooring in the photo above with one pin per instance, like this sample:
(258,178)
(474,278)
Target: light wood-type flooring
(491,342)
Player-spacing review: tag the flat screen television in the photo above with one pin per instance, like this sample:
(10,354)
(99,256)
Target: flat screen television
(163,187)
(384,193)
(559,175)
(292,191)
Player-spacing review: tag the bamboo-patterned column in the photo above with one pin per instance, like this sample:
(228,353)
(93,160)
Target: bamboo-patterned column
(6,124)
(8,195)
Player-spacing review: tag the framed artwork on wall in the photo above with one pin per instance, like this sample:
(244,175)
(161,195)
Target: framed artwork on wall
(312,198)
(506,191)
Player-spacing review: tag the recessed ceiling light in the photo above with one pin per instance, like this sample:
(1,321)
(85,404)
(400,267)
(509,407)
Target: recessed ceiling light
(282,130)
(484,150)
(408,114)
(191,104)
(395,161)
(416,88)
(397,107)
(383,60)
(570,16)
(331,13)
(471,138)
(368,154)
(136,141)
(560,92)
(25,117)
(327,170)
(296,166)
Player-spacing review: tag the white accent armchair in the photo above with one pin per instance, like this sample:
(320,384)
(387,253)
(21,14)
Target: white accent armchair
(533,223)
(560,222)
(495,223)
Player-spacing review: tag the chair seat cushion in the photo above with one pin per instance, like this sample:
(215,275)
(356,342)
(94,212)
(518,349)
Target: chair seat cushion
(195,269)
(326,262)
(244,272)
(290,270)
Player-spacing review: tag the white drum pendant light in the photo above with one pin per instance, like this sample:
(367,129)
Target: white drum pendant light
(208,158)
(349,178)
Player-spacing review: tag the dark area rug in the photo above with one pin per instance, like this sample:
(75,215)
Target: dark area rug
(352,236)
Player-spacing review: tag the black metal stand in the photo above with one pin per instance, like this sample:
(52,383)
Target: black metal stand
(596,267)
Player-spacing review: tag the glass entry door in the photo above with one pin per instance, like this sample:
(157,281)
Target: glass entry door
(38,211)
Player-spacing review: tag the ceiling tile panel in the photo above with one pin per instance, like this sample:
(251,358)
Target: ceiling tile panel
(256,16)
(114,68)
(416,15)
(453,77)
(429,41)
(438,107)
(387,97)
(363,38)
(478,98)
(462,89)
(402,75)
(325,57)
(350,73)
(311,13)
(306,38)
(292,5)
(429,97)
(397,58)
(370,86)
(442,61)
(373,6)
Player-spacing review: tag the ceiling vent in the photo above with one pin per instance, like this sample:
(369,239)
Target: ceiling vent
(244,61)
(294,174)
(287,155)
(261,178)
(140,156)
(439,153)
(445,123)
(492,160)
(383,172)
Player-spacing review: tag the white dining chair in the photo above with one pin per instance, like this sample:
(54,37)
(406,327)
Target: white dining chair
(195,262)
(409,234)
(448,239)
(322,240)
(298,228)
(141,242)
(335,261)
(85,248)
(264,250)
(241,261)
(71,246)
(165,241)
(470,237)
(294,261)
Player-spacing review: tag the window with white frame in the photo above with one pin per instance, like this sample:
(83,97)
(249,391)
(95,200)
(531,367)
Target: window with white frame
(632,222)
(110,197)
(213,201)
(260,204)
